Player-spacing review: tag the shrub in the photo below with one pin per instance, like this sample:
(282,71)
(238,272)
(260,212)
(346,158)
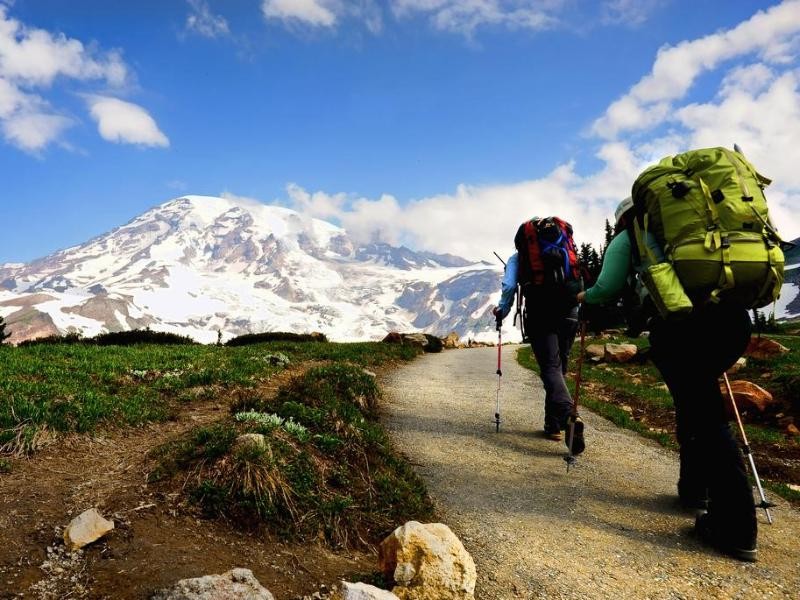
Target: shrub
(141,336)
(275,336)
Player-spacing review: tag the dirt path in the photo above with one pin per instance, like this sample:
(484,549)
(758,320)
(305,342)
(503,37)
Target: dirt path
(608,529)
(156,540)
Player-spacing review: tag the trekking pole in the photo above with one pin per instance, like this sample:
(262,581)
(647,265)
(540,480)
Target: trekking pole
(499,376)
(765,504)
(570,458)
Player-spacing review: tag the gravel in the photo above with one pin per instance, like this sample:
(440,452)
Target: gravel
(608,528)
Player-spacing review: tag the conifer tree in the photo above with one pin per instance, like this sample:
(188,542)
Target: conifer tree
(3,335)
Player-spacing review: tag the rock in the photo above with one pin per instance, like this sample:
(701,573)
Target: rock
(434,344)
(595,351)
(248,440)
(737,366)
(86,528)
(793,487)
(620,353)
(362,591)
(427,561)
(236,584)
(763,348)
(452,340)
(749,396)
(791,429)
(318,336)
(393,338)
(417,339)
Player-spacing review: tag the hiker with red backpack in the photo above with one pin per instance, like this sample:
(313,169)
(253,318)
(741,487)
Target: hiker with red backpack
(547,271)
(697,239)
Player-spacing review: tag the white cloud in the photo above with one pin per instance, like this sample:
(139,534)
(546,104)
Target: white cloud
(32,61)
(36,57)
(629,12)
(771,34)
(465,16)
(203,22)
(33,131)
(316,13)
(124,122)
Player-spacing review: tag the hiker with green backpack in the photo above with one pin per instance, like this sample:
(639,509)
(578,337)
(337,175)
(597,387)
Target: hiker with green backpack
(697,239)
(548,272)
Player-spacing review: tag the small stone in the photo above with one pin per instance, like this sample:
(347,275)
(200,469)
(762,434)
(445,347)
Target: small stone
(763,348)
(792,430)
(86,528)
(738,366)
(595,351)
(620,353)
(363,591)
(250,440)
(236,584)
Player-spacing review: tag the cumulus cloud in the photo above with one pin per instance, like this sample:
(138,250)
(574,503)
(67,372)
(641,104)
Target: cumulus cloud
(465,16)
(124,122)
(204,22)
(771,34)
(32,61)
(33,131)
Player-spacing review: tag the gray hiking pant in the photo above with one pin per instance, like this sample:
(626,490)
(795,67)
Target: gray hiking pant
(551,340)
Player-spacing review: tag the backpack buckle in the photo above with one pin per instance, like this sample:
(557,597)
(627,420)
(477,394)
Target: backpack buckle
(712,227)
(726,242)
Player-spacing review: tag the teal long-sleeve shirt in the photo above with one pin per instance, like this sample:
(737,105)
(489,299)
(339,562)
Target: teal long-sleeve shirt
(617,265)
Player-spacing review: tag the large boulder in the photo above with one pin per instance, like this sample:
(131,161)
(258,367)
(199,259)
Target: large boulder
(763,348)
(393,337)
(236,584)
(427,561)
(595,352)
(620,353)
(452,340)
(434,344)
(749,396)
(416,339)
(86,528)
(362,591)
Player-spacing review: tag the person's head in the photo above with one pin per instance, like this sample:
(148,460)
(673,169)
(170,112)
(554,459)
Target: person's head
(623,214)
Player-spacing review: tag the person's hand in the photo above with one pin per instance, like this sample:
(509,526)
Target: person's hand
(580,297)
(498,317)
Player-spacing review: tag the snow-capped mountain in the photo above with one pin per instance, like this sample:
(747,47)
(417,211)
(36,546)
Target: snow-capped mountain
(788,306)
(196,265)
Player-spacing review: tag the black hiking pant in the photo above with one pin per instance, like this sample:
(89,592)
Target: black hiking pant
(692,354)
(551,341)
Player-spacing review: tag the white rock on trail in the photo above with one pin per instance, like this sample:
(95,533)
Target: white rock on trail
(236,584)
(620,353)
(363,591)
(427,561)
(85,529)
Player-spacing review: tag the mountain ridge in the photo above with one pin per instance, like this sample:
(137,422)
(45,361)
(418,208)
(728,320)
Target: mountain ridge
(198,264)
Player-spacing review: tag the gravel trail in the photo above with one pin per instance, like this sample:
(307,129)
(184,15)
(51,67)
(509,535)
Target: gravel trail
(608,529)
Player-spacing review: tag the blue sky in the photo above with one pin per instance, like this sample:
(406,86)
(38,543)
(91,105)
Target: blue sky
(377,114)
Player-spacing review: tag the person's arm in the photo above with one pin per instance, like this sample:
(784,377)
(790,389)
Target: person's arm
(614,273)
(508,287)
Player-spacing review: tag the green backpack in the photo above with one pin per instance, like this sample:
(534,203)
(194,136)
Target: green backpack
(707,210)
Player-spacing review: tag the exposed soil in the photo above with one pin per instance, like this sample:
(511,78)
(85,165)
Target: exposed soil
(157,539)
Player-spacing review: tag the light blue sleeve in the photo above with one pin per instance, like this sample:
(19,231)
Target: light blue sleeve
(508,286)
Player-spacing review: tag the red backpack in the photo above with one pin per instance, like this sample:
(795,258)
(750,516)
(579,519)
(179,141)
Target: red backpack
(548,258)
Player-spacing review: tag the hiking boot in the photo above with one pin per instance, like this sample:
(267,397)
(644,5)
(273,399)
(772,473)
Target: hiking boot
(578,443)
(553,434)
(707,533)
